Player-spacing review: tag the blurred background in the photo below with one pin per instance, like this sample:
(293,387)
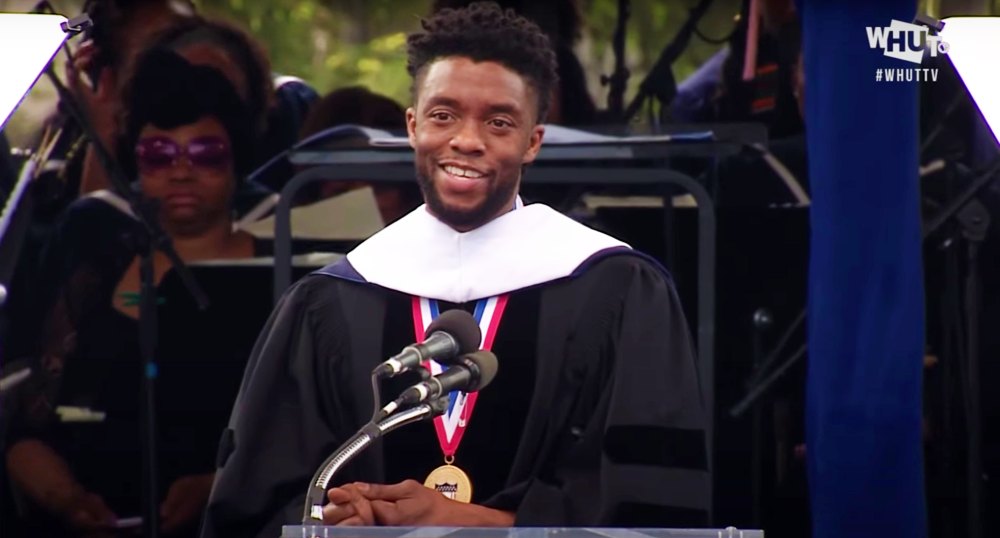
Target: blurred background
(331,44)
(337,62)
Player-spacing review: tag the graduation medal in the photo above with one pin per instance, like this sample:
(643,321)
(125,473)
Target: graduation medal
(450,480)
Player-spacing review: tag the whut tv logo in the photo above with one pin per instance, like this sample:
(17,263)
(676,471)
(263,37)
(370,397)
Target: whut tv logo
(905,41)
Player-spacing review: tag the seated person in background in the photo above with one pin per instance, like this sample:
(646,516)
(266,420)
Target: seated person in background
(121,30)
(187,138)
(233,52)
(767,97)
(595,416)
(279,103)
(358,106)
(276,111)
(126,28)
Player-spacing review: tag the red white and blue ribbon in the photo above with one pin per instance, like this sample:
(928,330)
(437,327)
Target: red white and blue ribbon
(451,426)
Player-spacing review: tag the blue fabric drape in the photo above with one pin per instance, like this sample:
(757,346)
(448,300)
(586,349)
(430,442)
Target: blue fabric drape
(866,317)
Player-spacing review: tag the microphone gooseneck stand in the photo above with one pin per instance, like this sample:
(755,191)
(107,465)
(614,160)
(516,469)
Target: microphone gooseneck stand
(618,80)
(470,373)
(659,81)
(315,498)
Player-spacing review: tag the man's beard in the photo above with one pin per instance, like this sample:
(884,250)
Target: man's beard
(499,194)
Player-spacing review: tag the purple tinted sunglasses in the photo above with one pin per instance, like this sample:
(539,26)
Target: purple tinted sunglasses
(159,152)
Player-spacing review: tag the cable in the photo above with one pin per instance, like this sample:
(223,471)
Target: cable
(786,175)
(715,41)
(376,398)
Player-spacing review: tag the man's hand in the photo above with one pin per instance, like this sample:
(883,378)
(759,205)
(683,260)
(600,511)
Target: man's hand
(186,499)
(348,506)
(410,503)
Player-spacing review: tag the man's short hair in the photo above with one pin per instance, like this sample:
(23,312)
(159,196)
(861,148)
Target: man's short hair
(483,32)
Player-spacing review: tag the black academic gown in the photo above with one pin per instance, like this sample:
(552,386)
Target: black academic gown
(614,433)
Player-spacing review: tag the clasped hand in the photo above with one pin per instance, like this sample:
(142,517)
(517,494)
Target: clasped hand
(407,503)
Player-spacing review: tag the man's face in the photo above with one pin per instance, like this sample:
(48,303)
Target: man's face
(473,127)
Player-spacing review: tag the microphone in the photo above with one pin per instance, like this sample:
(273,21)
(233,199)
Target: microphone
(453,333)
(468,373)
(316,496)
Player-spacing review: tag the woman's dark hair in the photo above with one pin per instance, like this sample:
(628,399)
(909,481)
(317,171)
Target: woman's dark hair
(168,92)
(239,47)
(485,32)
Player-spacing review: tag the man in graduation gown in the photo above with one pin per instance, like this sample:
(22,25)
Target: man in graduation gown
(595,415)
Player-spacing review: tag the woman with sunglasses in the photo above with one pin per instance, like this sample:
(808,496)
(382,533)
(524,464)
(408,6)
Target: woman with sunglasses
(188,141)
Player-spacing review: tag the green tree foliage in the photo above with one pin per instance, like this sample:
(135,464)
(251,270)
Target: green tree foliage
(339,43)
(651,27)
(332,44)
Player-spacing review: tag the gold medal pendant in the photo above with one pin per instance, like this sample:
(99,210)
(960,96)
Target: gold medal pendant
(451,481)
